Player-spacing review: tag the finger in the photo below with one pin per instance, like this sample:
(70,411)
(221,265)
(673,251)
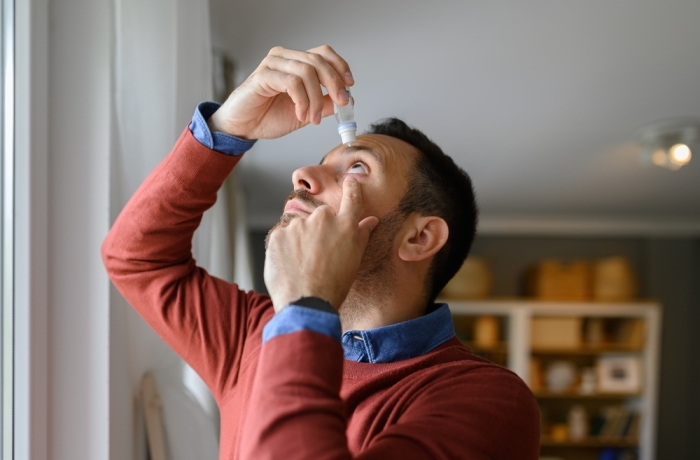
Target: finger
(365,229)
(329,76)
(274,82)
(309,76)
(351,203)
(338,63)
(323,209)
(330,79)
(334,59)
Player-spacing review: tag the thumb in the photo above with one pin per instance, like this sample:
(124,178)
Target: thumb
(365,228)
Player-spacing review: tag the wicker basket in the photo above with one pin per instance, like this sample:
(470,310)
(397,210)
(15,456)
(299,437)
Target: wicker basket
(472,281)
(552,280)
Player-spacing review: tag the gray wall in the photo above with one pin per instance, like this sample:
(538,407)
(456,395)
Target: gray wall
(509,257)
(667,270)
(670,274)
(695,402)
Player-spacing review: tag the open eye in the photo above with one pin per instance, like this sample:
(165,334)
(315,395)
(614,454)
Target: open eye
(357,168)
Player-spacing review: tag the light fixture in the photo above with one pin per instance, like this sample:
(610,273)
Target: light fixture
(679,154)
(669,143)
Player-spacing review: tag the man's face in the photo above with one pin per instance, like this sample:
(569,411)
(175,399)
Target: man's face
(380,163)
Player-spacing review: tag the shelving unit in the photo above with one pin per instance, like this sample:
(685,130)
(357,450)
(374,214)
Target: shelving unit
(545,442)
(587,350)
(514,350)
(544,394)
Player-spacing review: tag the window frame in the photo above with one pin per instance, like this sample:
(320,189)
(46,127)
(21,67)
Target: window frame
(7,226)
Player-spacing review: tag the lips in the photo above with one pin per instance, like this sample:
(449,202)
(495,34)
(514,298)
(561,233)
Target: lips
(295,206)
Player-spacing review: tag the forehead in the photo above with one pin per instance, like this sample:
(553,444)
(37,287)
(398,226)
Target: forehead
(393,155)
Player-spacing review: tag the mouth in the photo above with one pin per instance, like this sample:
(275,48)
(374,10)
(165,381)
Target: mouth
(294,206)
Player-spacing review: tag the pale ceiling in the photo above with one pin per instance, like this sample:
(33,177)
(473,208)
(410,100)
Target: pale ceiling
(536,100)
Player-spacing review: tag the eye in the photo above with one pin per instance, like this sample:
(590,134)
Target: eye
(357,168)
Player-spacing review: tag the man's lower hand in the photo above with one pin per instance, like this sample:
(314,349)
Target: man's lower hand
(319,255)
(284,94)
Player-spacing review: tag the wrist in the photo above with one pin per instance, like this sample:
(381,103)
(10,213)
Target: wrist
(217,123)
(315,303)
(280,300)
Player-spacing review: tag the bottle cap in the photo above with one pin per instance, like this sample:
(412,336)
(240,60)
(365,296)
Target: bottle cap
(348,132)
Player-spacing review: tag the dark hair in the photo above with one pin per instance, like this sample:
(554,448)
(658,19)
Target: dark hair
(436,187)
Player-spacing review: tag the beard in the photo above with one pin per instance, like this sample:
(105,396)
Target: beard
(375,278)
(301,195)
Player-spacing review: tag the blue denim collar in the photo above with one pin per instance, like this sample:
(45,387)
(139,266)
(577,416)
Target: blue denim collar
(400,341)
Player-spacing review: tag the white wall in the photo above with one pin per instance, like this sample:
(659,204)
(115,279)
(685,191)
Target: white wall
(80,88)
(62,299)
(537,100)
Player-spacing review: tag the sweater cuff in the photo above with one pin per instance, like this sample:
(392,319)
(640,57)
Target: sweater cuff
(221,142)
(295,318)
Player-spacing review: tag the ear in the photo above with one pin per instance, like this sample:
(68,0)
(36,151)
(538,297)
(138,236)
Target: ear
(425,236)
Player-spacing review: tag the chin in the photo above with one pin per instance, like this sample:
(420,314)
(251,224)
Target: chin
(285,219)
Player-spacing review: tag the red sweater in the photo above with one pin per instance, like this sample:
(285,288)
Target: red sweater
(295,397)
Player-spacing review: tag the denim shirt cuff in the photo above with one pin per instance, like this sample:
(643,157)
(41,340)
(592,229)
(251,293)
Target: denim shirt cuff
(218,141)
(294,318)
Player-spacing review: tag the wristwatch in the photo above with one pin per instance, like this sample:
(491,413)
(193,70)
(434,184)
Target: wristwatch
(316,303)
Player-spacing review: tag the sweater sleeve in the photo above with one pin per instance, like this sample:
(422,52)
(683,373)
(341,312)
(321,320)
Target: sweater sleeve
(148,256)
(295,411)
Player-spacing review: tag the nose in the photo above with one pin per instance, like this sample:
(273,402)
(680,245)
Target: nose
(309,178)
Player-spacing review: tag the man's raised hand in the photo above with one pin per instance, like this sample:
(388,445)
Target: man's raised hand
(284,94)
(319,255)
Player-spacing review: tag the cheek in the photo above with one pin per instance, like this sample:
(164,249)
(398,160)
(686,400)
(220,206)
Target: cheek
(375,203)
(334,198)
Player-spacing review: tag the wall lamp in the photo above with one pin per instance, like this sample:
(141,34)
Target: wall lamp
(669,143)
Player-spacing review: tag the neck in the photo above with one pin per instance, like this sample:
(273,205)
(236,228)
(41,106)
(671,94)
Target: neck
(383,299)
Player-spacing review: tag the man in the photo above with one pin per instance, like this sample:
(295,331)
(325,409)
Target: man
(367,240)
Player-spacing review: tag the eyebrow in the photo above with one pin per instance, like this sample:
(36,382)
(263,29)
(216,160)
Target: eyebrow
(350,149)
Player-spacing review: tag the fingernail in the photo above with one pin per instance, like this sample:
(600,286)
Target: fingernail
(318,117)
(348,78)
(343,95)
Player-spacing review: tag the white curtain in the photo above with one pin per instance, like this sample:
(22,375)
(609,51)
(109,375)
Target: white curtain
(163,69)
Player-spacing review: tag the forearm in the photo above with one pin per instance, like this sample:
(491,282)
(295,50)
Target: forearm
(147,254)
(295,409)
(153,233)
(155,228)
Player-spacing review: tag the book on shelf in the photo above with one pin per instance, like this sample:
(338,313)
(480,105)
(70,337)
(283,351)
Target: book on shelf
(632,427)
(615,422)
(613,416)
(631,333)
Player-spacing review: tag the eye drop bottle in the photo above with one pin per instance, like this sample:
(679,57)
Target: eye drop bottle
(347,128)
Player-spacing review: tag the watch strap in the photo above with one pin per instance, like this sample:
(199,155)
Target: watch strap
(316,303)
